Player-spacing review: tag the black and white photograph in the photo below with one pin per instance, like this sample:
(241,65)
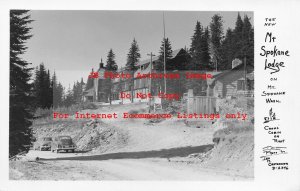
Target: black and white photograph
(131,95)
(136,95)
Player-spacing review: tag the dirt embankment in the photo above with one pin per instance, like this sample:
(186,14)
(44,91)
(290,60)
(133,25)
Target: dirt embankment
(100,137)
(88,135)
(233,150)
(233,140)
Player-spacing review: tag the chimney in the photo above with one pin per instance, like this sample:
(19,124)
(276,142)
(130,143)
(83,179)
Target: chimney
(101,64)
(235,63)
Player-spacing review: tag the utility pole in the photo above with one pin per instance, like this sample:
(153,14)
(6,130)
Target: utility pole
(150,83)
(245,74)
(165,82)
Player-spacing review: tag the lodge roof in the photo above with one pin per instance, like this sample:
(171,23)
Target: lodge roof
(219,76)
(155,58)
(89,92)
(249,69)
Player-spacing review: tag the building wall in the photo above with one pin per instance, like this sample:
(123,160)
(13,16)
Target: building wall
(95,98)
(225,90)
(142,85)
(218,89)
(228,87)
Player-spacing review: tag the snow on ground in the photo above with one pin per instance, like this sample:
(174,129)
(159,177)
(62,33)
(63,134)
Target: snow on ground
(131,149)
(170,133)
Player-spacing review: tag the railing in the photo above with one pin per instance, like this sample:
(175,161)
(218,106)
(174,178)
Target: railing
(201,104)
(246,93)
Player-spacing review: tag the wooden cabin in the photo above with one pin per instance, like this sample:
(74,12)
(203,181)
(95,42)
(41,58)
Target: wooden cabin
(231,83)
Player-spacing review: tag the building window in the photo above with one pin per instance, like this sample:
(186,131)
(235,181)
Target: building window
(137,83)
(241,85)
(250,84)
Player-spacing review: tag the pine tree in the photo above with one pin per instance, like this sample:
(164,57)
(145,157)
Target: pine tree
(81,82)
(227,50)
(238,37)
(204,48)
(248,40)
(200,56)
(39,82)
(133,58)
(243,39)
(167,54)
(49,89)
(20,110)
(57,96)
(75,92)
(90,82)
(82,85)
(42,88)
(238,30)
(60,94)
(200,48)
(204,60)
(195,49)
(111,66)
(216,29)
(168,50)
(238,43)
(79,92)
(69,98)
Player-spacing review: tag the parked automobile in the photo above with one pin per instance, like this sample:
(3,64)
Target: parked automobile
(63,143)
(43,144)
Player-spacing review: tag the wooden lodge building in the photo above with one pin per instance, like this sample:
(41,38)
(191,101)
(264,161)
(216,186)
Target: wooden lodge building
(223,84)
(140,85)
(96,93)
(231,83)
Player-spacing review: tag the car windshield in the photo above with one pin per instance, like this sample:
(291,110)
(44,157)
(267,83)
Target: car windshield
(47,139)
(65,138)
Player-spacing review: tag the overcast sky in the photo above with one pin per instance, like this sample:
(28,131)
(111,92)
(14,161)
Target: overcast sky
(73,42)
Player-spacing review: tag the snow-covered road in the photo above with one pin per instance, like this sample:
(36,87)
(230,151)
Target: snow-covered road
(74,166)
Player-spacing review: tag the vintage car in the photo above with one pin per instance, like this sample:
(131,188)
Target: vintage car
(43,144)
(63,143)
